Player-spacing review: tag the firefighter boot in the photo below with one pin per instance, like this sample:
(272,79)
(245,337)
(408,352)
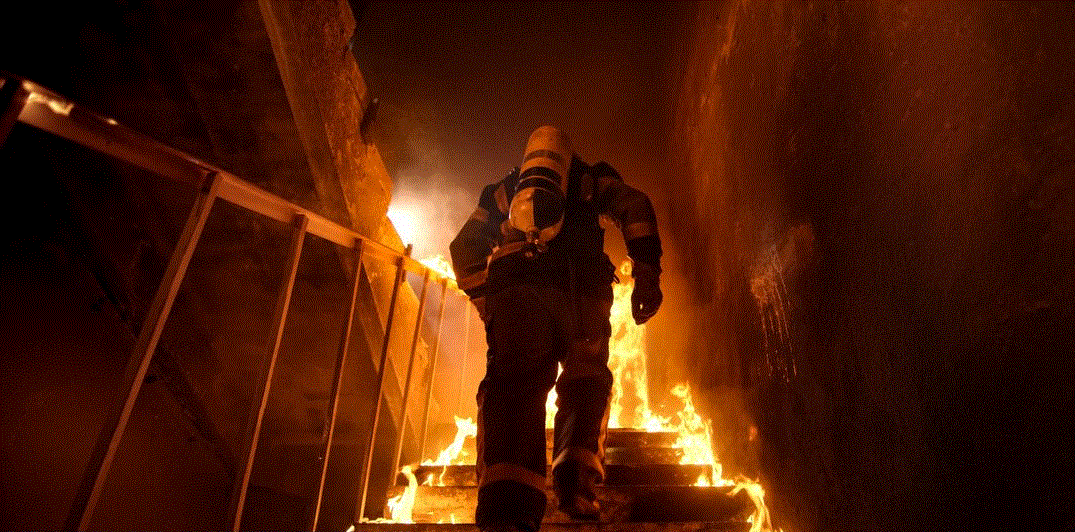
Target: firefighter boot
(574,484)
(579,442)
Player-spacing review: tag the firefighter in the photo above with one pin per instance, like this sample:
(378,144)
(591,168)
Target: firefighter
(532,260)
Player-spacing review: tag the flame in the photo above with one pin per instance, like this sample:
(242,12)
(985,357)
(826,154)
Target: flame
(56,105)
(629,408)
(627,360)
(401,506)
(695,437)
(453,453)
(550,401)
(440,265)
(760,520)
(629,404)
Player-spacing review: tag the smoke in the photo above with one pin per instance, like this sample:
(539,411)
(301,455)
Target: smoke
(428,211)
(430,200)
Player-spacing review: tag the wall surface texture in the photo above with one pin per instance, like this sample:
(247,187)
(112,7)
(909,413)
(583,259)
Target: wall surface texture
(270,92)
(884,192)
(867,209)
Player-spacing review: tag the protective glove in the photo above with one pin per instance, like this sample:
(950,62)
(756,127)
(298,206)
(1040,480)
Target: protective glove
(646,297)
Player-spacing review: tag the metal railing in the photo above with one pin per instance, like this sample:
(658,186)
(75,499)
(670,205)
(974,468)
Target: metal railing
(32,104)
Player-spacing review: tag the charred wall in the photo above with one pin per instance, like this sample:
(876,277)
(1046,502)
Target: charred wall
(887,201)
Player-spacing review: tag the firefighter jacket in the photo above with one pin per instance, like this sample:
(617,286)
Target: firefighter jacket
(489,254)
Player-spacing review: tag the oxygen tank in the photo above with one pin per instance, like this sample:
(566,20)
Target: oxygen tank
(537,208)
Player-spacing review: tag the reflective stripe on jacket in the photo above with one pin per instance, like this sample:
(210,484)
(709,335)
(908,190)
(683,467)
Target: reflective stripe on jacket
(487,250)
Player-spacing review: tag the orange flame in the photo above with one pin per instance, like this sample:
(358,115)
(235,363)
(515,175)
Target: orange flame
(550,401)
(630,408)
(629,404)
(760,521)
(401,506)
(440,265)
(453,453)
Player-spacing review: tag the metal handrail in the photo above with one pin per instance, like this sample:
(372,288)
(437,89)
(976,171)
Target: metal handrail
(28,102)
(47,110)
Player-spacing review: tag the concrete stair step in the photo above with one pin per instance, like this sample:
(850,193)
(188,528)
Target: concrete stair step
(619,504)
(631,438)
(643,455)
(721,526)
(638,438)
(623,455)
(615,438)
(615,474)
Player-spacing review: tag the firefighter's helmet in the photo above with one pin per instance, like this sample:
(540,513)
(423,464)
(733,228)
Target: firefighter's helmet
(537,208)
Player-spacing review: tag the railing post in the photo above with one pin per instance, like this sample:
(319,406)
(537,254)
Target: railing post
(432,368)
(25,101)
(13,98)
(410,369)
(466,353)
(283,303)
(361,508)
(89,492)
(337,378)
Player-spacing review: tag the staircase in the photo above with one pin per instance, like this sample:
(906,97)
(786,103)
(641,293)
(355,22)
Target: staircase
(645,490)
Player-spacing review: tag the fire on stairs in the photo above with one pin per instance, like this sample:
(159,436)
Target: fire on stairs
(661,472)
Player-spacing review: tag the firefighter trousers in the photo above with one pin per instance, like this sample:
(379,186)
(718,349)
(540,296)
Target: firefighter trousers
(531,328)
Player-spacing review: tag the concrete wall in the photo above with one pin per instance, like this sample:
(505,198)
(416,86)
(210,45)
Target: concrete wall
(881,224)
